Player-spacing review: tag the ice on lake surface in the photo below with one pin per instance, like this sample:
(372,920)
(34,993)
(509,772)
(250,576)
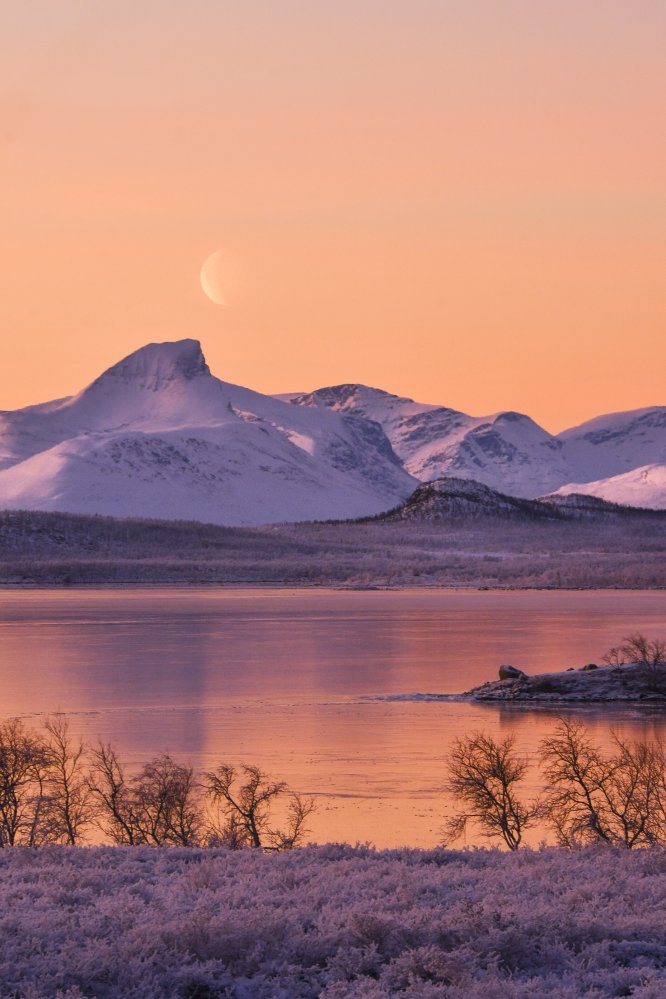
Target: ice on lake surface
(303,682)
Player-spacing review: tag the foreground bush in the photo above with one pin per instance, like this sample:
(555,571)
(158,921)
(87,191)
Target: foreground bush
(332,921)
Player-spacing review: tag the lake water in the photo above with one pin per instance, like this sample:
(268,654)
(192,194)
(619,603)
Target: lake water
(293,681)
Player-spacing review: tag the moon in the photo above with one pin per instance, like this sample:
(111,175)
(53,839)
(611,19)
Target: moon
(217,277)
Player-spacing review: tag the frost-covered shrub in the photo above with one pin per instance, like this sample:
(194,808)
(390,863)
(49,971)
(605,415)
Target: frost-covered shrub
(331,921)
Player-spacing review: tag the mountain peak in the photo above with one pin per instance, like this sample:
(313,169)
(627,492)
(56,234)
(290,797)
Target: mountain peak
(348,396)
(158,364)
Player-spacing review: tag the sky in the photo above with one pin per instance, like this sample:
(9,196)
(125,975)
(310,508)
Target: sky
(462,202)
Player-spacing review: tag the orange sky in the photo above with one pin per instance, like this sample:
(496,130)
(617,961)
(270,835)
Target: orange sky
(464,202)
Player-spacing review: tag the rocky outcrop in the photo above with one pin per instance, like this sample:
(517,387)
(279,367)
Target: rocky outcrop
(592,683)
(511,673)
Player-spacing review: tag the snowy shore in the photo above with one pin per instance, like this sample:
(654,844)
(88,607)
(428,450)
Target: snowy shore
(629,683)
(332,921)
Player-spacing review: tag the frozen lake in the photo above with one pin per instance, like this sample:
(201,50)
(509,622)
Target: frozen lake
(292,680)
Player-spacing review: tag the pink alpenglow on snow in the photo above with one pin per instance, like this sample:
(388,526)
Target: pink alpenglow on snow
(159,436)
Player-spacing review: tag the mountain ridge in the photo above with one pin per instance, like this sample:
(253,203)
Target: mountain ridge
(449,499)
(157,434)
(507,450)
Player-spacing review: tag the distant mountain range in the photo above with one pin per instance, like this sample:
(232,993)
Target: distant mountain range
(157,435)
(510,452)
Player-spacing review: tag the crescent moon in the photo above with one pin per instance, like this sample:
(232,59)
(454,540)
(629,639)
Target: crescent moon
(216,276)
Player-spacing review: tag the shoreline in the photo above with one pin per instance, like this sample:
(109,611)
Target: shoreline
(321,587)
(629,683)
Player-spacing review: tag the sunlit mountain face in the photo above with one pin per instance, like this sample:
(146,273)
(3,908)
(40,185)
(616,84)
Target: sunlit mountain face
(158,435)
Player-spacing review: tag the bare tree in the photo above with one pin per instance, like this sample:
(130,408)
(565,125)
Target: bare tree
(52,788)
(67,804)
(592,797)
(245,802)
(635,792)
(638,650)
(164,806)
(160,806)
(22,766)
(115,807)
(484,776)
(298,811)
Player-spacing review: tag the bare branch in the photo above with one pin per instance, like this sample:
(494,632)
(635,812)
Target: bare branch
(484,774)
(68,799)
(245,801)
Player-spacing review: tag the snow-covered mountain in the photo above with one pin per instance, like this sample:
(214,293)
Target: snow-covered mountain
(644,487)
(506,451)
(616,443)
(157,435)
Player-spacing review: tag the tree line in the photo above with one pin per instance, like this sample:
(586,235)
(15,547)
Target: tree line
(55,789)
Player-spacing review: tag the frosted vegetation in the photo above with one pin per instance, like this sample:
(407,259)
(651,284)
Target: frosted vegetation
(42,548)
(235,911)
(335,922)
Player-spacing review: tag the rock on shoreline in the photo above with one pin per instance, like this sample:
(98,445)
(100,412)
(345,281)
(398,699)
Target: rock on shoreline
(631,683)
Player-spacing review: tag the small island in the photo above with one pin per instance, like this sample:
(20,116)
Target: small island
(627,675)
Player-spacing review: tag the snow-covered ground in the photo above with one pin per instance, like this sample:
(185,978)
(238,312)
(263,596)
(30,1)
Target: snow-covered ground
(335,922)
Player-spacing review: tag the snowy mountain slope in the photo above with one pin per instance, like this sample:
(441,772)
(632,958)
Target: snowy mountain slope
(506,451)
(617,442)
(158,435)
(644,487)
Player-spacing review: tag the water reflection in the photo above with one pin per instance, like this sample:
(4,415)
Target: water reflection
(278,678)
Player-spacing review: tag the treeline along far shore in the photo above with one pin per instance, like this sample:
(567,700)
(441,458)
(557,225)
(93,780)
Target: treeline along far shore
(56,549)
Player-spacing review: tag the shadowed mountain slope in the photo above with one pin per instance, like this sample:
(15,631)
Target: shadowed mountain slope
(450,499)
